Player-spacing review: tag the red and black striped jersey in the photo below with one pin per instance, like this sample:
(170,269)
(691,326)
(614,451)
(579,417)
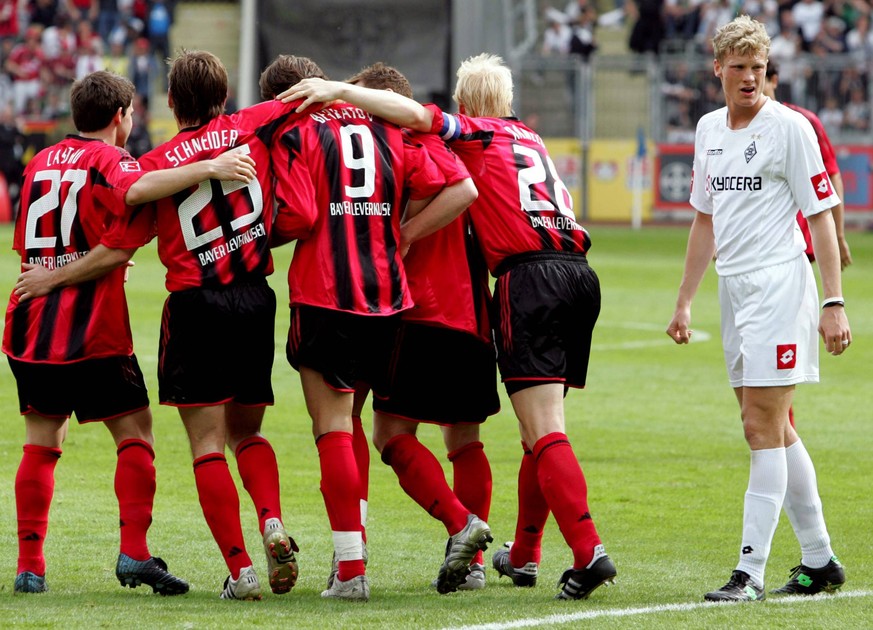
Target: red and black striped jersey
(217,233)
(447,275)
(72,199)
(523,205)
(353,174)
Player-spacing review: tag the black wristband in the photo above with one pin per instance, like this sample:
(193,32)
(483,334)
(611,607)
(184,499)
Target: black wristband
(834,303)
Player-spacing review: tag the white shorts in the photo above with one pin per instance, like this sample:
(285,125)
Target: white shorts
(769,325)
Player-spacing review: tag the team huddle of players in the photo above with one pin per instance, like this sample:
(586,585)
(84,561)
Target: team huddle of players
(394,233)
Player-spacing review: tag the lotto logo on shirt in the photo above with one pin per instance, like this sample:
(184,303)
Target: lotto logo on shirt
(786,356)
(822,185)
(130,167)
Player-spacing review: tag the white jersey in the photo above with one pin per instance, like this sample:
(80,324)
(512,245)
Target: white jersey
(753,180)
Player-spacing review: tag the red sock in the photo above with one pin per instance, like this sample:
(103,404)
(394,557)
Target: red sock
(361,446)
(564,488)
(135,489)
(533,512)
(340,488)
(423,479)
(34,487)
(220,503)
(256,462)
(472,482)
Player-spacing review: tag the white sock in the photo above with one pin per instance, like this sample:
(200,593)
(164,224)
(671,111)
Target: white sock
(768,478)
(803,507)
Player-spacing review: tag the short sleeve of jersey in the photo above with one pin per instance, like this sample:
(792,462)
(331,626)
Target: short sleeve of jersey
(451,167)
(126,227)
(699,200)
(121,171)
(805,170)
(424,178)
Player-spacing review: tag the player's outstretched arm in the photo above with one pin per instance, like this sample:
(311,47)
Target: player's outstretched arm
(230,165)
(389,105)
(36,280)
(701,247)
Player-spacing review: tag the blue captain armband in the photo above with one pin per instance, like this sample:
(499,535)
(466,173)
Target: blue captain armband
(451,127)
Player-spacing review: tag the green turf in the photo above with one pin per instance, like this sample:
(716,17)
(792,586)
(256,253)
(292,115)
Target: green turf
(657,432)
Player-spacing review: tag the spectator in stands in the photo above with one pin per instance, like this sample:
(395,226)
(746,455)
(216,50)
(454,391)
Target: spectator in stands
(117,60)
(831,38)
(678,90)
(108,17)
(59,49)
(9,19)
(556,37)
(809,16)
(831,115)
(27,69)
(680,124)
(139,142)
(713,15)
(648,29)
(143,67)
(857,112)
(681,19)
(90,57)
(784,49)
(82,10)
(158,23)
(765,11)
(582,41)
(11,152)
(42,12)
(859,40)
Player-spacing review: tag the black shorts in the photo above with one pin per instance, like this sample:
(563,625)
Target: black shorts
(344,348)
(217,346)
(441,376)
(94,389)
(544,309)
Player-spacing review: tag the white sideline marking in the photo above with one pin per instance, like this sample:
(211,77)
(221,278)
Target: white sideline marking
(646,610)
(661,340)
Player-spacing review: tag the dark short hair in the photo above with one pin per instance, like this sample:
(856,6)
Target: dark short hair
(198,85)
(96,97)
(380,76)
(772,69)
(286,71)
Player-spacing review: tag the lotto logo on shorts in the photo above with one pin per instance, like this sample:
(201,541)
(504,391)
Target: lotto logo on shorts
(786,356)
(822,185)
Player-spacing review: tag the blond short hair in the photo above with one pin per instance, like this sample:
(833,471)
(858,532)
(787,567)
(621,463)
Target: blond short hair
(484,86)
(743,36)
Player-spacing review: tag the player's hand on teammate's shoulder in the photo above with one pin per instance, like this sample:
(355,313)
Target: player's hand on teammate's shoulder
(312,91)
(233,166)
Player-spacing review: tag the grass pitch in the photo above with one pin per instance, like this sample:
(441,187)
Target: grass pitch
(657,432)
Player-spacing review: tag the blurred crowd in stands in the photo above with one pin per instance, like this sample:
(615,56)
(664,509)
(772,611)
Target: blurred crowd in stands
(45,45)
(824,47)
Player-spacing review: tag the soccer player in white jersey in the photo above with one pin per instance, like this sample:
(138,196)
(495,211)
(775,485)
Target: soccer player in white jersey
(755,163)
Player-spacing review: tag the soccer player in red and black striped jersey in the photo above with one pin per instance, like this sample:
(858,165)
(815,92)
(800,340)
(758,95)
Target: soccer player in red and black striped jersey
(347,284)
(71,349)
(217,331)
(546,301)
(448,281)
